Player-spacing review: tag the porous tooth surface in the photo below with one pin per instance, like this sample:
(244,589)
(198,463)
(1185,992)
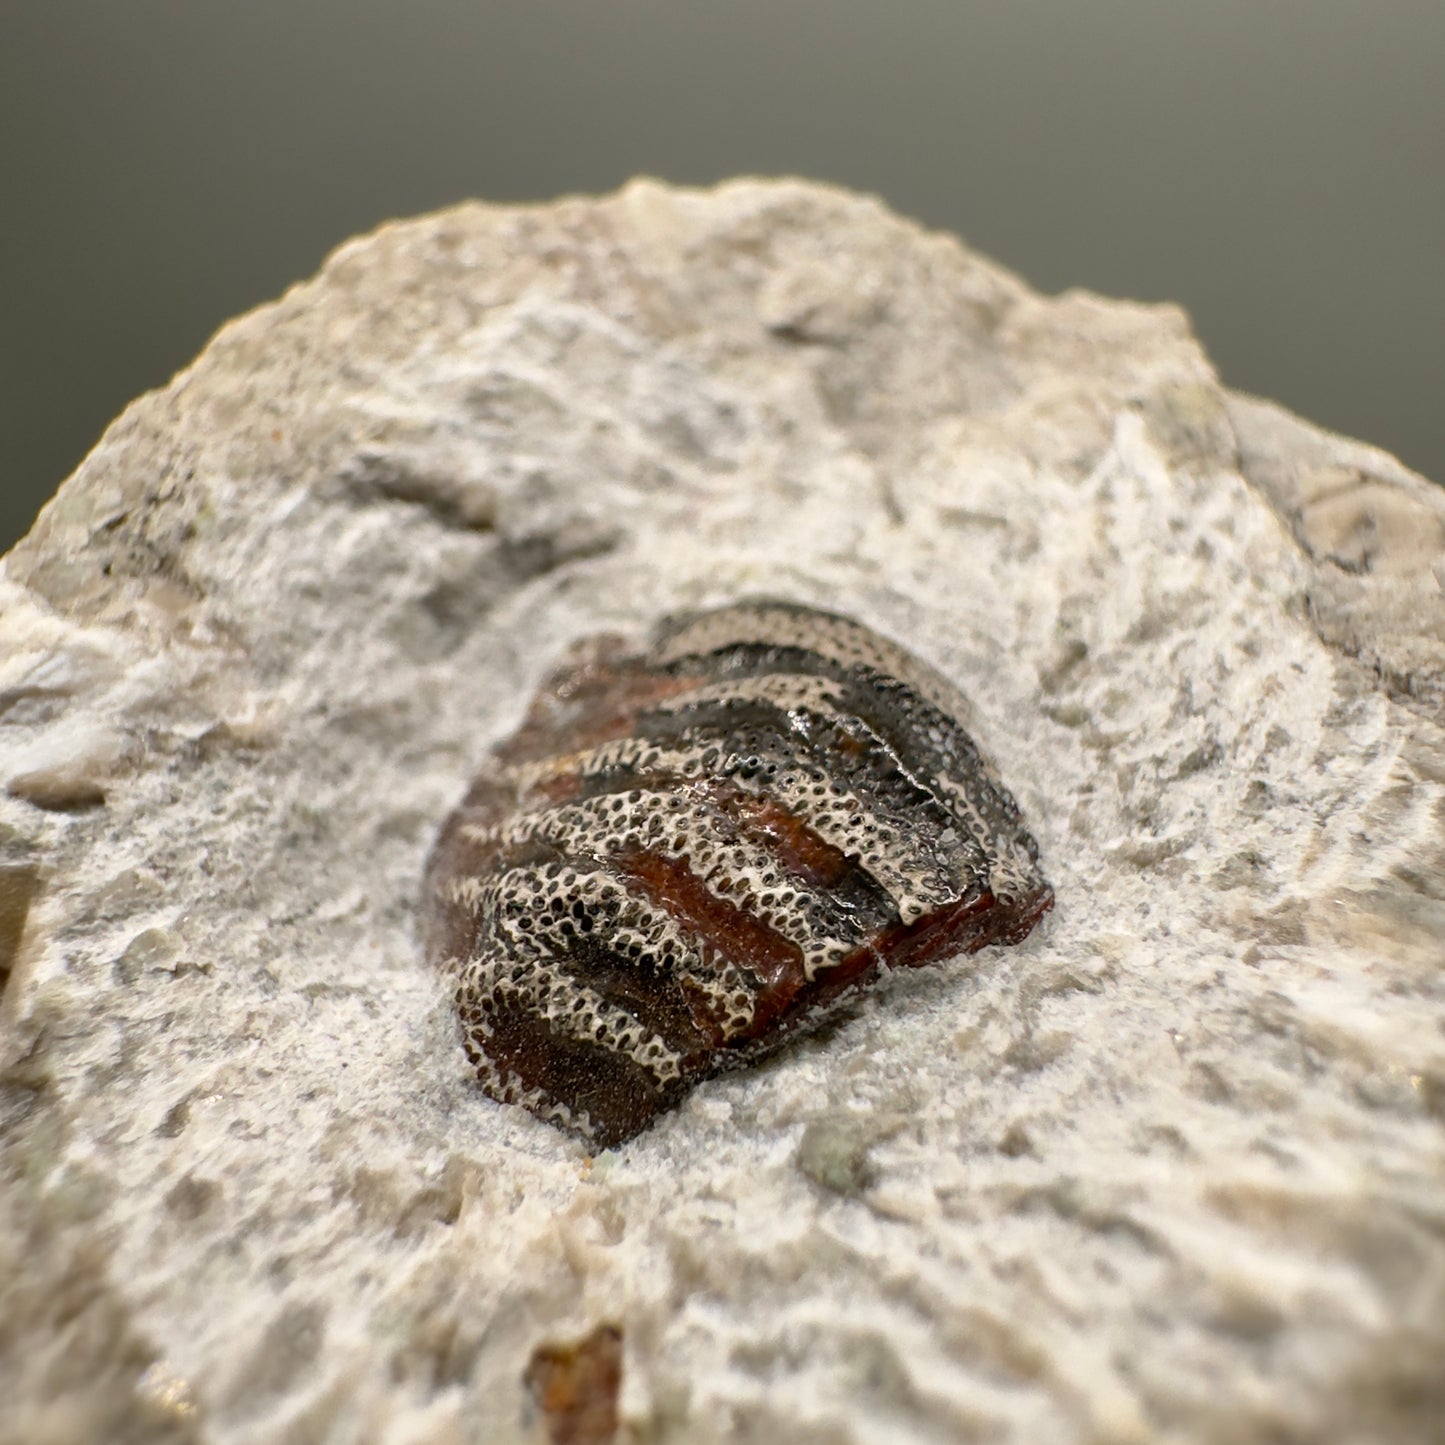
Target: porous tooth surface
(772,804)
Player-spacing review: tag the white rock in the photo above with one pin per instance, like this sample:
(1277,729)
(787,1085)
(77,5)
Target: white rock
(1175,1168)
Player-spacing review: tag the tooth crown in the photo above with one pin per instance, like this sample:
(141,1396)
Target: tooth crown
(684,858)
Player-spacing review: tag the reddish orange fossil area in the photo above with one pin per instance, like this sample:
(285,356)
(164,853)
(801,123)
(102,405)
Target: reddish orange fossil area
(575,1387)
(686,856)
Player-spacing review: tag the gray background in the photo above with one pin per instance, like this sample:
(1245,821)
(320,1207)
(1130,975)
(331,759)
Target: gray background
(1278,166)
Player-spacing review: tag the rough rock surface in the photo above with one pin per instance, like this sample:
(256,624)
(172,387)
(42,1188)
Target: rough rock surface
(1173,1169)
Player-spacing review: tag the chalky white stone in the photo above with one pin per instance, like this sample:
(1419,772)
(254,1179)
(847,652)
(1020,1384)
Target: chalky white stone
(1170,1170)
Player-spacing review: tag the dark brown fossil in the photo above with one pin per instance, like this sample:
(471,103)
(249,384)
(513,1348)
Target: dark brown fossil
(683,858)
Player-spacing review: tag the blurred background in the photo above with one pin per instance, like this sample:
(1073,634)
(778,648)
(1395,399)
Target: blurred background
(1278,168)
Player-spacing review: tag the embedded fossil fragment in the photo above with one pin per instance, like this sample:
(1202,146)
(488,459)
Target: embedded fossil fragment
(575,1385)
(683,858)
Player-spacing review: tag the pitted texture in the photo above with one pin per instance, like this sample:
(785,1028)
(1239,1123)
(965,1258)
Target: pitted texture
(683,859)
